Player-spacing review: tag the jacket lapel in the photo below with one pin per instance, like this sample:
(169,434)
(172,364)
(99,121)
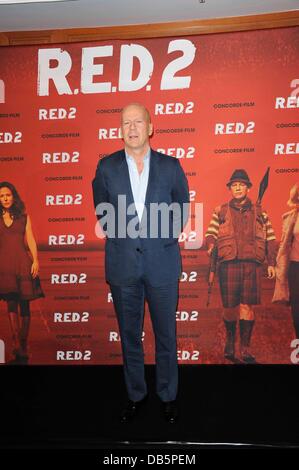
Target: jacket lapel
(153,178)
(152,185)
(152,188)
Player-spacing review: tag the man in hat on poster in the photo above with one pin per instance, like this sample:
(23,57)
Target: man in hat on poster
(243,236)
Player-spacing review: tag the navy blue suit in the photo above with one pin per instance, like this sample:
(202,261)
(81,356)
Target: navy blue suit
(144,267)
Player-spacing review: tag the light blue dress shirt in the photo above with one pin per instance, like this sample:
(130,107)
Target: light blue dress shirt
(138,181)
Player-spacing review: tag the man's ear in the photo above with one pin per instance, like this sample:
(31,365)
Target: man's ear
(150,129)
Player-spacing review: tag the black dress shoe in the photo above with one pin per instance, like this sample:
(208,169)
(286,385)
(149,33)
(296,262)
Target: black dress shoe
(170,411)
(131,410)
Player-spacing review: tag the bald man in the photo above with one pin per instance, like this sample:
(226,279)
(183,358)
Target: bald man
(142,255)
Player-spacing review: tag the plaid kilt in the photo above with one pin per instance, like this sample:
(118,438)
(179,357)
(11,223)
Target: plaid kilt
(240,282)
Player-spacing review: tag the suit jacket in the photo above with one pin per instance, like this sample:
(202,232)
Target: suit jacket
(281,291)
(161,259)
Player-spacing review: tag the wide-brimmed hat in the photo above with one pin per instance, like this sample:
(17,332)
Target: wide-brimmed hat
(239,175)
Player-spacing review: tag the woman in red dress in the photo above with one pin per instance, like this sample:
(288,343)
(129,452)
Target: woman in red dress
(19,281)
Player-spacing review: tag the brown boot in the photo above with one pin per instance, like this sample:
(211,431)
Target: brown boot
(246,327)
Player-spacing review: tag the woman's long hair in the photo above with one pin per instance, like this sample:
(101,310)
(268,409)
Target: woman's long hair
(18,207)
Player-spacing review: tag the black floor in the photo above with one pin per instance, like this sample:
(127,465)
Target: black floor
(71,407)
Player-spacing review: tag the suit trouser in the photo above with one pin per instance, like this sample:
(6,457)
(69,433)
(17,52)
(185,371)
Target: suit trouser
(129,307)
(293,278)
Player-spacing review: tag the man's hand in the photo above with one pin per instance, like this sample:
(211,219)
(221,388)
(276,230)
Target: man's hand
(34,268)
(271,272)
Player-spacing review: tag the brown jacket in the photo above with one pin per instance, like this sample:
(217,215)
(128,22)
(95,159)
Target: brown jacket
(242,233)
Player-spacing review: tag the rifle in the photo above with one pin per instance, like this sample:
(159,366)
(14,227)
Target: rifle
(212,271)
(214,253)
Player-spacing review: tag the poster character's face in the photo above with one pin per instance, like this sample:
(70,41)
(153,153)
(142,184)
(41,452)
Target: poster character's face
(6,198)
(239,190)
(136,128)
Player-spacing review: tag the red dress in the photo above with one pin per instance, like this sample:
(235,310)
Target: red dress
(16,281)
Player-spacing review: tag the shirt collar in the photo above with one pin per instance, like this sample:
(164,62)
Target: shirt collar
(131,159)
